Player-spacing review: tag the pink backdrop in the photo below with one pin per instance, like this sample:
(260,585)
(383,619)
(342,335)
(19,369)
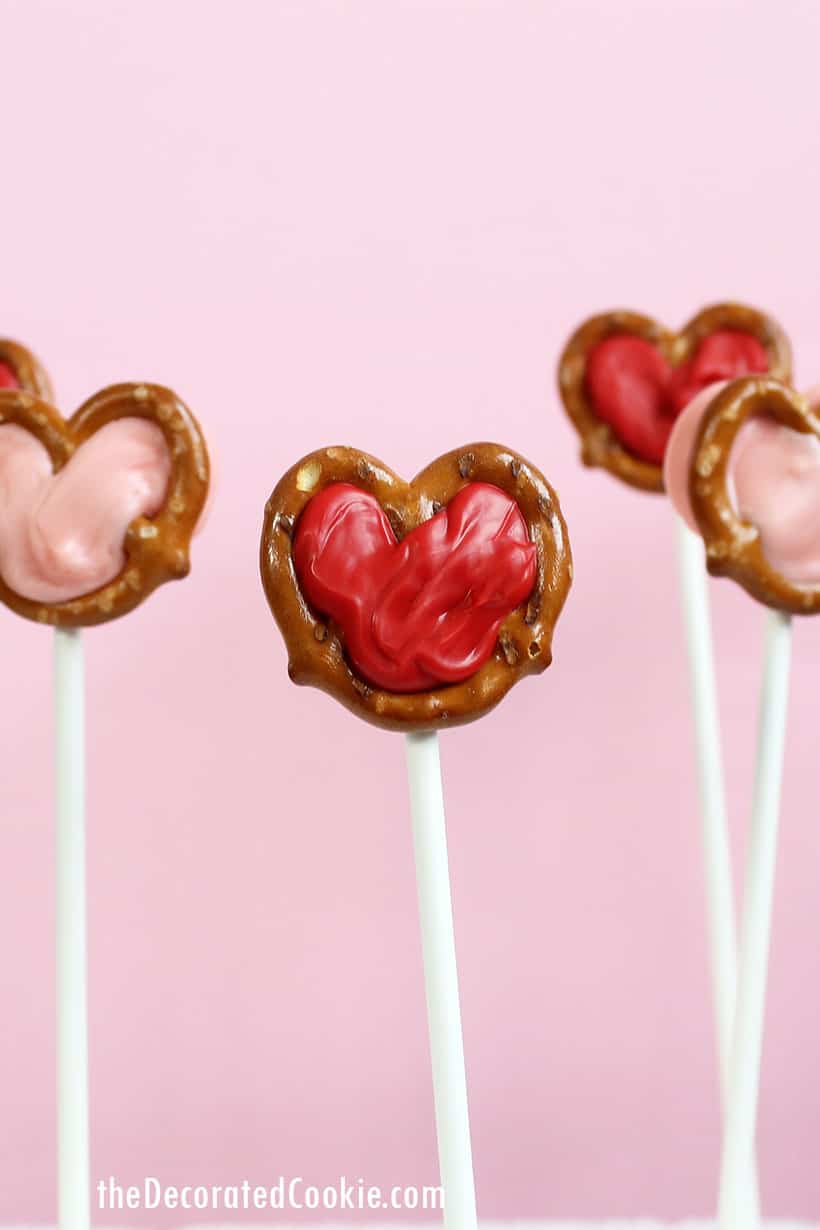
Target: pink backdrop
(375,223)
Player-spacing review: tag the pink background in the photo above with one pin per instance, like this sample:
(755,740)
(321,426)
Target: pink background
(376,223)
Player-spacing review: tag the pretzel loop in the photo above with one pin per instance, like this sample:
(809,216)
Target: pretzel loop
(733,545)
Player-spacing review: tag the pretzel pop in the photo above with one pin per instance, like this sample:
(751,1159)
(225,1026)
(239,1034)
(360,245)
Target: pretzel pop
(624,379)
(417,604)
(742,469)
(97,511)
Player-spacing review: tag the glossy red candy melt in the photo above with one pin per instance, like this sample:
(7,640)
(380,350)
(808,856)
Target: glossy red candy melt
(635,390)
(425,611)
(8,377)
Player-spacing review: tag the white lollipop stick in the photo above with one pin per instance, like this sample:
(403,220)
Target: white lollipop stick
(441,981)
(72,1024)
(747,1045)
(718,865)
(720,897)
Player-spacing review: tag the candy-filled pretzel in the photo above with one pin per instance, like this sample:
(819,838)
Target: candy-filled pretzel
(736,536)
(416,604)
(624,378)
(153,545)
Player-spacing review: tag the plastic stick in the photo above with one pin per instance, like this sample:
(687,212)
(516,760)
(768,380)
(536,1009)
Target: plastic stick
(72,1024)
(747,1044)
(441,981)
(717,858)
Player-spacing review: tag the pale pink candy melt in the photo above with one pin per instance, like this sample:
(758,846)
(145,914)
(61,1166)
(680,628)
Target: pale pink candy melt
(774,483)
(61,535)
(679,449)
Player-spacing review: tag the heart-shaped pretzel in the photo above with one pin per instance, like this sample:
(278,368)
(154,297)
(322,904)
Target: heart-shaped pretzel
(156,548)
(29,374)
(733,545)
(315,644)
(600,444)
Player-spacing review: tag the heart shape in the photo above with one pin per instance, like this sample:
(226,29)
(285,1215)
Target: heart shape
(98,510)
(425,611)
(743,468)
(415,604)
(624,379)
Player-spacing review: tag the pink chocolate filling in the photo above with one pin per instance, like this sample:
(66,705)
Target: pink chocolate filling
(774,483)
(61,535)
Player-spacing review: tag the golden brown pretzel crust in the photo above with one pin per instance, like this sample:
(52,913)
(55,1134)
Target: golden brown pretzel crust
(314,644)
(599,444)
(156,548)
(31,375)
(733,547)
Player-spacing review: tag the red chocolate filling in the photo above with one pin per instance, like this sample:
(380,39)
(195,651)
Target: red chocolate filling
(639,394)
(8,377)
(425,611)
